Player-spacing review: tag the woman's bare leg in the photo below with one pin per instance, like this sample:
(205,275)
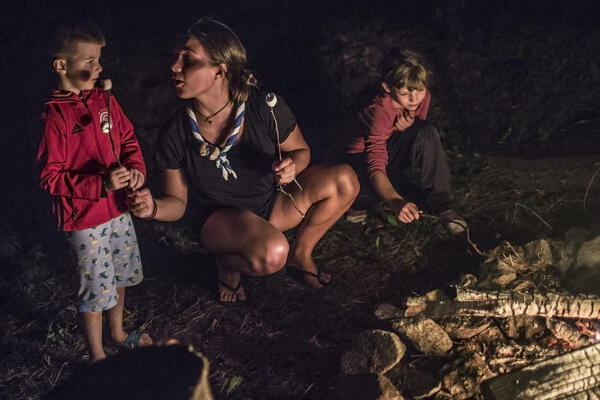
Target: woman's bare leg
(328,191)
(245,244)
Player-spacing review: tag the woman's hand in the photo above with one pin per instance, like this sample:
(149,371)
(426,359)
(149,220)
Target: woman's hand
(285,170)
(141,203)
(404,120)
(406,211)
(116,179)
(136,179)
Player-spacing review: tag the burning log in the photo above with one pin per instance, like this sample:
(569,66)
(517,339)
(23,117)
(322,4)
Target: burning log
(505,304)
(566,332)
(574,375)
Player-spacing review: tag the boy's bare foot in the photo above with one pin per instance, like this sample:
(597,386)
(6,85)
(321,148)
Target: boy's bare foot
(229,286)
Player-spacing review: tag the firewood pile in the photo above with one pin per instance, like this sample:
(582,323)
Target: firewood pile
(526,327)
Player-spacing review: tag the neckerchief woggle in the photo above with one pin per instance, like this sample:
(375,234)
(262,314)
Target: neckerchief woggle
(214,153)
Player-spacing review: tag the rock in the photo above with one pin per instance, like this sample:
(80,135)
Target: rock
(588,255)
(460,385)
(577,235)
(464,328)
(523,327)
(467,281)
(493,336)
(372,351)
(564,255)
(421,384)
(427,336)
(521,285)
(499,273)
(365,387)
(538,253)
(436,295)
(387,311)
(430,297)
(584,276)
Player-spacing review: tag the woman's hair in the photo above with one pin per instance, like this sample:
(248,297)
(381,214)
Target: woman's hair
(405,68)
(224,47)
(67,37)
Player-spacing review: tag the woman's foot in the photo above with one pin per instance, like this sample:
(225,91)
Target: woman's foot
(229,286)
(310,273)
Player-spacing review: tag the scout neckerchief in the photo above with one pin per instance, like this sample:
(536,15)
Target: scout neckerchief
(212,152)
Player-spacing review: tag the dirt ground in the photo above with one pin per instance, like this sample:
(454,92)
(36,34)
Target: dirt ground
(286,341)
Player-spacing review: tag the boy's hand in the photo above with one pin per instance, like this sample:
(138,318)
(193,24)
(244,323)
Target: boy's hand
(285,170)
(404,120)
(406,211)
(116,179)
(136,180)
(140,203)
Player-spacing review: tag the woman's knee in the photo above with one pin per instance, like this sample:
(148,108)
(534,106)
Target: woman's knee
(271,255)
(346,180)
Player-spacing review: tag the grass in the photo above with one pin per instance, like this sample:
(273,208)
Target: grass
(286,342)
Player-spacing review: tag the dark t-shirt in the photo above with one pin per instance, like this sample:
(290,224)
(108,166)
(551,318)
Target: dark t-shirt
(251,157)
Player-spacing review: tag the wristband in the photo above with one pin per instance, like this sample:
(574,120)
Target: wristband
(154,210)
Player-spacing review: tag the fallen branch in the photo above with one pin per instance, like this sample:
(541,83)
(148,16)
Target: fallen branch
(471,302)
(574,375)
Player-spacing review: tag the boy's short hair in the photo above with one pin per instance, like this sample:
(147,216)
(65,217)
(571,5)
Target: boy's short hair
(67,37)
(405,68)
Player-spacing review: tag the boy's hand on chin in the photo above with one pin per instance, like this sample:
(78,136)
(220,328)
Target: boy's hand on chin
(404,120)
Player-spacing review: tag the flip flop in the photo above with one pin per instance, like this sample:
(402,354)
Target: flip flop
(309,273)
(131,341)
(231,289)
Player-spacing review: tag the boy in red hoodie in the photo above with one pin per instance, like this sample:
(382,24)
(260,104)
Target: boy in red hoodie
(90,157)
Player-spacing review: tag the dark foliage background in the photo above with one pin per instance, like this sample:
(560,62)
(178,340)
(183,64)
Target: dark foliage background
(517,78)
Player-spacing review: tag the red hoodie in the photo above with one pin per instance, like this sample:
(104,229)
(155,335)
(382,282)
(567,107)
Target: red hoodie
(75,153)
(375,128)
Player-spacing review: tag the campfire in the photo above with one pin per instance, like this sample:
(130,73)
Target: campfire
(526,327)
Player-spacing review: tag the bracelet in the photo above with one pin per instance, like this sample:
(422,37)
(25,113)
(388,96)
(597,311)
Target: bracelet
(154,210)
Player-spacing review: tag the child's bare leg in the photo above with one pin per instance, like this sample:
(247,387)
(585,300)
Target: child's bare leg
(114,317)
(92,328)
(328,191)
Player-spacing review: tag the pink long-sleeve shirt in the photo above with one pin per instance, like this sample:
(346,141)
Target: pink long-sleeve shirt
(376,127)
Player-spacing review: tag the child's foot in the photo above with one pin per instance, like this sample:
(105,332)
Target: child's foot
(229,286)
(356,216)
(454,222)
(97,358)
(133,339)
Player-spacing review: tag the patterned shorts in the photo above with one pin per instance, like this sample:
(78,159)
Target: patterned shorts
(107,257)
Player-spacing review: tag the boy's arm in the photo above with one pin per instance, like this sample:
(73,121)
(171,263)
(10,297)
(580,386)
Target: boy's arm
(376,156)
(130,152)
(52,154)
(404,210)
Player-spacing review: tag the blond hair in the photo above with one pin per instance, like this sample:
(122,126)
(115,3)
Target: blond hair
(224,47)
(405,68)
(67,37)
